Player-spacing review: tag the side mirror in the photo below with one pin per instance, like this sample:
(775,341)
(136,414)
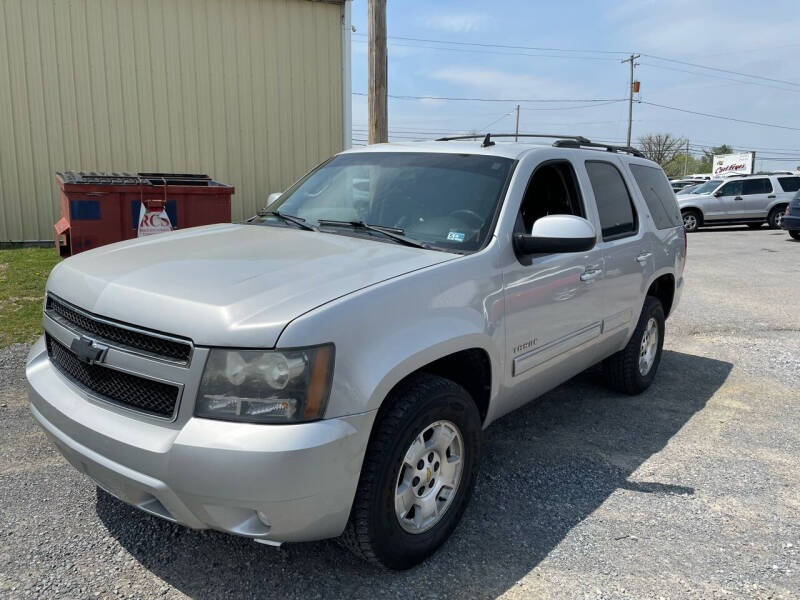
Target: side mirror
(555,234)
(717,194)
(272,197)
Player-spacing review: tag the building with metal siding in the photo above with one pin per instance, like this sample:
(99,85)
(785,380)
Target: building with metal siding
(252,92)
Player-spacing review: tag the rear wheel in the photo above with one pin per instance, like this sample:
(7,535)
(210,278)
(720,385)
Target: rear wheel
(795,233)
(632,369)
(418,473)
(775,217)
(691,220)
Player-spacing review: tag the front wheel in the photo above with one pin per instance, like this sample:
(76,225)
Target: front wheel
(632,369)
(691,220)
(418,473)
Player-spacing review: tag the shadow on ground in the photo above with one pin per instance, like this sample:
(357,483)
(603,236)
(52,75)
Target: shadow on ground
(546,468)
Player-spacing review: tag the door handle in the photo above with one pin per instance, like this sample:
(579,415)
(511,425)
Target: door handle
(642,258)
(738,198)
(591,274)
(771,196)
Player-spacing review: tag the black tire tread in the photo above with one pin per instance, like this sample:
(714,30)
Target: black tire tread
(620,368)
(402,400)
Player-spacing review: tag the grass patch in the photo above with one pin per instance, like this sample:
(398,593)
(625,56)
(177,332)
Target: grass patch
(23,273)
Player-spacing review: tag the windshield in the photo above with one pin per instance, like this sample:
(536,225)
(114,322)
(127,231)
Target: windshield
(707,187)
(447,201)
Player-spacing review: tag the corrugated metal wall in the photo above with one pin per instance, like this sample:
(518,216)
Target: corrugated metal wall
(248,91)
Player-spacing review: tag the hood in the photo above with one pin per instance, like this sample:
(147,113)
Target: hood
(687,197)
(229,285)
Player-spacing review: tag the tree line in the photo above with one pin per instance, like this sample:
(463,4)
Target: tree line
(670,152)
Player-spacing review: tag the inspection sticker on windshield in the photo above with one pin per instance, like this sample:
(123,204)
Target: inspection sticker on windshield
(455,236)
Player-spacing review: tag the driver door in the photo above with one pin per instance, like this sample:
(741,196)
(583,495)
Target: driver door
(727,203)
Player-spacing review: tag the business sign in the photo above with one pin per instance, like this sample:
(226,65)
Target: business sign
(727,164)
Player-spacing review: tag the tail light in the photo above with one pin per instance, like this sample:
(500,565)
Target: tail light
(786,212)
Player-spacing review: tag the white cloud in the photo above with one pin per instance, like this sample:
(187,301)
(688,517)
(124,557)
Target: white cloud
(495,83)
(456,23)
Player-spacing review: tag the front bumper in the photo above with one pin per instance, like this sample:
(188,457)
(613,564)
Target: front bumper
(275,483)
(791,222)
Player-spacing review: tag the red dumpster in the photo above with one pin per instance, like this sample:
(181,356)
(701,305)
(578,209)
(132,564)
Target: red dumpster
(102,208)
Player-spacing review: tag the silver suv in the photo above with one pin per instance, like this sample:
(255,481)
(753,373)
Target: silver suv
(327,367)
(750,200)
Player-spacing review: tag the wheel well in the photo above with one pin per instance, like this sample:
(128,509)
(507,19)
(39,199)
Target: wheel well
(781,206)
(471,369)
(695,210)
(663,288)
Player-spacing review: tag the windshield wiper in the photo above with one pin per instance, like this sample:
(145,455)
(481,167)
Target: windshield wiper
(394,233)
(299,221)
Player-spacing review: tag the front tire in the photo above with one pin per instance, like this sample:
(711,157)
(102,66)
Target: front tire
(775,217)
(633,369)
(418,473)
(691,220)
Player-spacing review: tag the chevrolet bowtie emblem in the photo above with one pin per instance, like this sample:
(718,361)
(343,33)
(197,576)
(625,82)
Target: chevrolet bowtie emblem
(88,351)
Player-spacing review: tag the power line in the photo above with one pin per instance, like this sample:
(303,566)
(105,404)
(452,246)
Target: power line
(507,46)
(683,62)
(765,85)
(532,100)
(567,56)
(702,114)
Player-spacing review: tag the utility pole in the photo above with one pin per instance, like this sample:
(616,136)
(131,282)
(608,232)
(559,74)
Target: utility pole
(686,158)
(631,60)
(516,127)
(378,118)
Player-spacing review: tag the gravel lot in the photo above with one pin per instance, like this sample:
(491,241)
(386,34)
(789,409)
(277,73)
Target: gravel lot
(690,490)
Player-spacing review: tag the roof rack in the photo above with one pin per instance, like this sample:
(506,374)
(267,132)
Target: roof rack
(562,141)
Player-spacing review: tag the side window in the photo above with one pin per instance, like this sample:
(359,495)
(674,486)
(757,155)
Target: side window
(658,195)
(757,186)
(552,190)
(789,184)
(732,188)
(617,215)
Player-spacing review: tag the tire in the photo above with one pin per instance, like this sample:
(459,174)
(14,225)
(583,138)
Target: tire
(795,233)
(691,220)
(622,370)
(754,225)
(775,216)
(375,532)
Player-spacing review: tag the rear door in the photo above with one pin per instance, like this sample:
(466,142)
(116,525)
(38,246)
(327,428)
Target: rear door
(758,195)
(627,258)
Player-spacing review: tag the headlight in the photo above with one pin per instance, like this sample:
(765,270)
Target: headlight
(266,386)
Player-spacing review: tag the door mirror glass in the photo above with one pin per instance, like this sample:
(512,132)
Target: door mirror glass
(718,193)
(556,233)
(272,197)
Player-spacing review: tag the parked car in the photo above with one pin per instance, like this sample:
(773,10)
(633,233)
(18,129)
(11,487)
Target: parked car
(679,184)
(688,189)
(749,200)
(327,368)
(791,218)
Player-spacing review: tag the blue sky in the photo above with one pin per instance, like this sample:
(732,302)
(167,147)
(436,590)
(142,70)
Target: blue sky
(731,35)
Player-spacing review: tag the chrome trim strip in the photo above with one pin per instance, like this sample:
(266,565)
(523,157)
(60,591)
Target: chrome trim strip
(74,328)
(537,356)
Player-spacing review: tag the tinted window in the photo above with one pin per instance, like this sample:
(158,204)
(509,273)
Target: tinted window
(732,188)
(657,194)
(789,184)
(757,186)
(617,215)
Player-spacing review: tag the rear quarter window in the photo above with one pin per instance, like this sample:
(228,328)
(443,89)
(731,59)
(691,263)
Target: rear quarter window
(789,184)
(658,195)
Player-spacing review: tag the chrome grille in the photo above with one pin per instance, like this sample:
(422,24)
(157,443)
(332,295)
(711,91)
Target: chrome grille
(106,331)
(129,390)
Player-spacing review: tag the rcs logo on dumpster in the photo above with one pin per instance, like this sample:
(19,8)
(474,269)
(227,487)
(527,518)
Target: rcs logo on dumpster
(153,219)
